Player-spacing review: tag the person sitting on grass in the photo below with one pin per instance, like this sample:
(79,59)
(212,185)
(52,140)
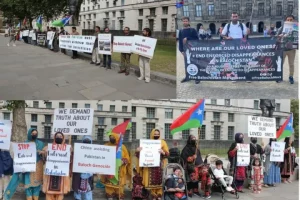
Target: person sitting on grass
(220,175)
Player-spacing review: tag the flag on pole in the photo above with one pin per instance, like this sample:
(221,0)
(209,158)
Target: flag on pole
(192,118)
(115,179)
(62,22)
(39,22)
(19,24)
(286,130)
(121,128)
(179,4)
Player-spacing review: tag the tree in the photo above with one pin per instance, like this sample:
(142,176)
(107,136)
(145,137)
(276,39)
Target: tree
(19,127)
(295,111)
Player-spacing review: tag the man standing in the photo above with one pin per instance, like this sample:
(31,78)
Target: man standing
(187,33)
(74,32)
(106,31)
(95,56)
(125,57)
(11,35)
(63,32)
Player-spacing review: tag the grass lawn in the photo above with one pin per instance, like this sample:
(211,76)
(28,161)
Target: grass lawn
(164,59)
(220,152)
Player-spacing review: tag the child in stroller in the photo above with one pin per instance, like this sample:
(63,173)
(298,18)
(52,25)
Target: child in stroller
(220,175)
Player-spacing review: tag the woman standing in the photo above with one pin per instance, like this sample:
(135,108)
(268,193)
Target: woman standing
(286,167)
(191,158)
(238,172)
(272,170)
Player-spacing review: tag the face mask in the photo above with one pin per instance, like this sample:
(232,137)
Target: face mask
(87,141)
(34,137)
(58,140)
(112,140)
(156,137)
(254,141)
(193,142)
(240,140)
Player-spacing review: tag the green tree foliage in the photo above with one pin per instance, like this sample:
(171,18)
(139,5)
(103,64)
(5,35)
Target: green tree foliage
(295,111)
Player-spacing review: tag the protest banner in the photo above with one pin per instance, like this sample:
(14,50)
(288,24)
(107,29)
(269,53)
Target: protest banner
(122,44)
(104,44)
(277,152)
(58,160)
(290,35)
(144,46)
(78,43)
(243,154)
(149,155)
(257,59)
(73,121)
(41,39)
(5,134)
(261,127)
(24,157)
(96,159)
(25,33)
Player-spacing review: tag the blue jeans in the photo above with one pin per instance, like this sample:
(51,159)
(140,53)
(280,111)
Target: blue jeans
(85,196)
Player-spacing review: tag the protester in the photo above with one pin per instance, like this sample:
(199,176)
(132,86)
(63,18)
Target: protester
(25,38)
(257,176)
(95,56)
(192,159)
(55,187)
(208,34)
(144,62)
(12,36)
(63,32)
(287,168)
(290,53)
(74,32)
(220,175)
(265,31)
(125,57)
(272,169)
(29,38)
(107,31)
(113,190)
(175,189)
(238,172)
(272,30)
(186,34)
(220,32)
(294,155)
(202,33)
(55,44)
(31,180)
(152,176)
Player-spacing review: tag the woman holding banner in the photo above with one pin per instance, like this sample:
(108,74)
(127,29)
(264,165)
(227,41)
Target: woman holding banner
(31,180)
(287,168)
(152,176)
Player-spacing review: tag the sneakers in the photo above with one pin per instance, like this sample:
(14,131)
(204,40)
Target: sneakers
(229,189)
(92,63)
(197,81)
(291,79)
(8,45)
(147,80)
(141,78)
(207,197)
(197,194)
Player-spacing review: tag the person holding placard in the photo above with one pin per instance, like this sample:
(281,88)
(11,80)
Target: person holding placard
(12,36)
(31,180)
(74,32)
(95,55)
(286,168)
(152,176)
(125,57)
(144,62)
(108,57)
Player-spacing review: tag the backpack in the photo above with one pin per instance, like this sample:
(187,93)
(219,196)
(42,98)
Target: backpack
(240,25)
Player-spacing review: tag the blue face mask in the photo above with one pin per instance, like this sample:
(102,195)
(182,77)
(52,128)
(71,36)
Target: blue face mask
(87,141)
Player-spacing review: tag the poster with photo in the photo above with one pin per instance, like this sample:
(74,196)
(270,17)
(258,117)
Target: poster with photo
(104,44)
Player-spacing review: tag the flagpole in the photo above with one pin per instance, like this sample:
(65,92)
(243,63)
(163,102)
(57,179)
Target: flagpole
(198,143)
(119,178)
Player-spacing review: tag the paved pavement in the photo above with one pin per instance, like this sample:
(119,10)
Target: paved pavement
(32,72)
(238,90)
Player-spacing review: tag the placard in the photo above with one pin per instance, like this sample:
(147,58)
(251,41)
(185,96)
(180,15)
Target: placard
(144,46)
(24,157)
(33,36)
(122,44)
(78,43)
(261,127)
(51,37)
(21,35)
(73,121)
(5,134)
(277,152)
(49,34)
(25,33)
(149,155)
(58,160)
(30,33)
(288,27)
(41,39)
(95,159)
(243,154)
(104,44)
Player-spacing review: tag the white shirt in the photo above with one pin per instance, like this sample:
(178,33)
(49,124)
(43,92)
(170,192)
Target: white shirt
(219,173)
(235,31)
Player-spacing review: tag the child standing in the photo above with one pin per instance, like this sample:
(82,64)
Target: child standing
(257,176)
(205,180)
(144,62)
(220,175)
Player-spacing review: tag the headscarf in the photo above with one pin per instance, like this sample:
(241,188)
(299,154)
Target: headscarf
(63,142)
(287,142)
(39,144)
(87,137)
(272,140)
(190,150)
(237,141)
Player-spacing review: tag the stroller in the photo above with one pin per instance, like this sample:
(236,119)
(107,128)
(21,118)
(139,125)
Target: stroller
(168,174)
(174,156)
(217,185)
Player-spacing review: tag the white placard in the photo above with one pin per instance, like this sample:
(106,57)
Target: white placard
(144,46)
(6,31)
(33,36)
(149,155)
(243,154)
(25,33)
(78,43)
(51,37)
(277,152)
(261,127)
(122,44)
(24,157)
(95,159)
(58,160)
(21,34)
(73,121)
(288,27)
(30,33)
(49,34)
(5,134)
(104,44)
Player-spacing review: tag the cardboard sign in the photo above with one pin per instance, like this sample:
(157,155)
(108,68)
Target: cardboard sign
(78,43)
(261,127)
(288,27)
(149,155)
(277,152)
(25,33)
(58,160)
(243,154)
(122,44)
(30,33)
(144,46)
(49,34)
(5,134)
(51,37)
(24,157)
(95,159)
(73,121)
(41,39)
(104,44)
(33,36)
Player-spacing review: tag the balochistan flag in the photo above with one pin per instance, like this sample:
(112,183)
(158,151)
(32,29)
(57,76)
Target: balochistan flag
(121,128)
(18,26)
(39,22)
(179,4)
(192,118)
(115,179)
(62,22)
(286,130)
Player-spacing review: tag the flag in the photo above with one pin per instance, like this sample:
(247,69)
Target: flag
(286,130)
(24,21)
(39,22)
(19,24)
(62,22)
(192,118)
(179,4)
(115,179)
(121,128)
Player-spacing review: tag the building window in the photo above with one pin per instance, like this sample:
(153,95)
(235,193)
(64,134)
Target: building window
(133,130)
(214,101)
(164,25)
(83,9)
(224,10)
(34,117)
(217,132)
(277,107)
(133,111)
(121,24)
(126,119)
(165,10)
(227,102)
(230,132)
(149,128)
(107,14)
(203,132)
(48,119)
(107,4)
(211,10)
(48,104)
(126,136)
(74,105)
(230,117)
(236,8)
(248,8)
(124,108)
(83,25)
(87,105)
(151,24)
(278,10)
(47,132)
(217,116)
(112,108)
(61,105)
(261,9)
(122,13)
(74,137)
(100,107)
(168,134)
(33,127)
(256,103)
(185,134)
(169,113)
(290,9)
(88,8)
(198,11)
(98,6)
(101,120)
(140,23)
(35,104)
(122,2)
(150,112)
(152,11)
(186,11)
(141,12)
(204,115)
(100,134)
(277,121)
(6,116)
(94,24)
(114,121)
(114,14)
